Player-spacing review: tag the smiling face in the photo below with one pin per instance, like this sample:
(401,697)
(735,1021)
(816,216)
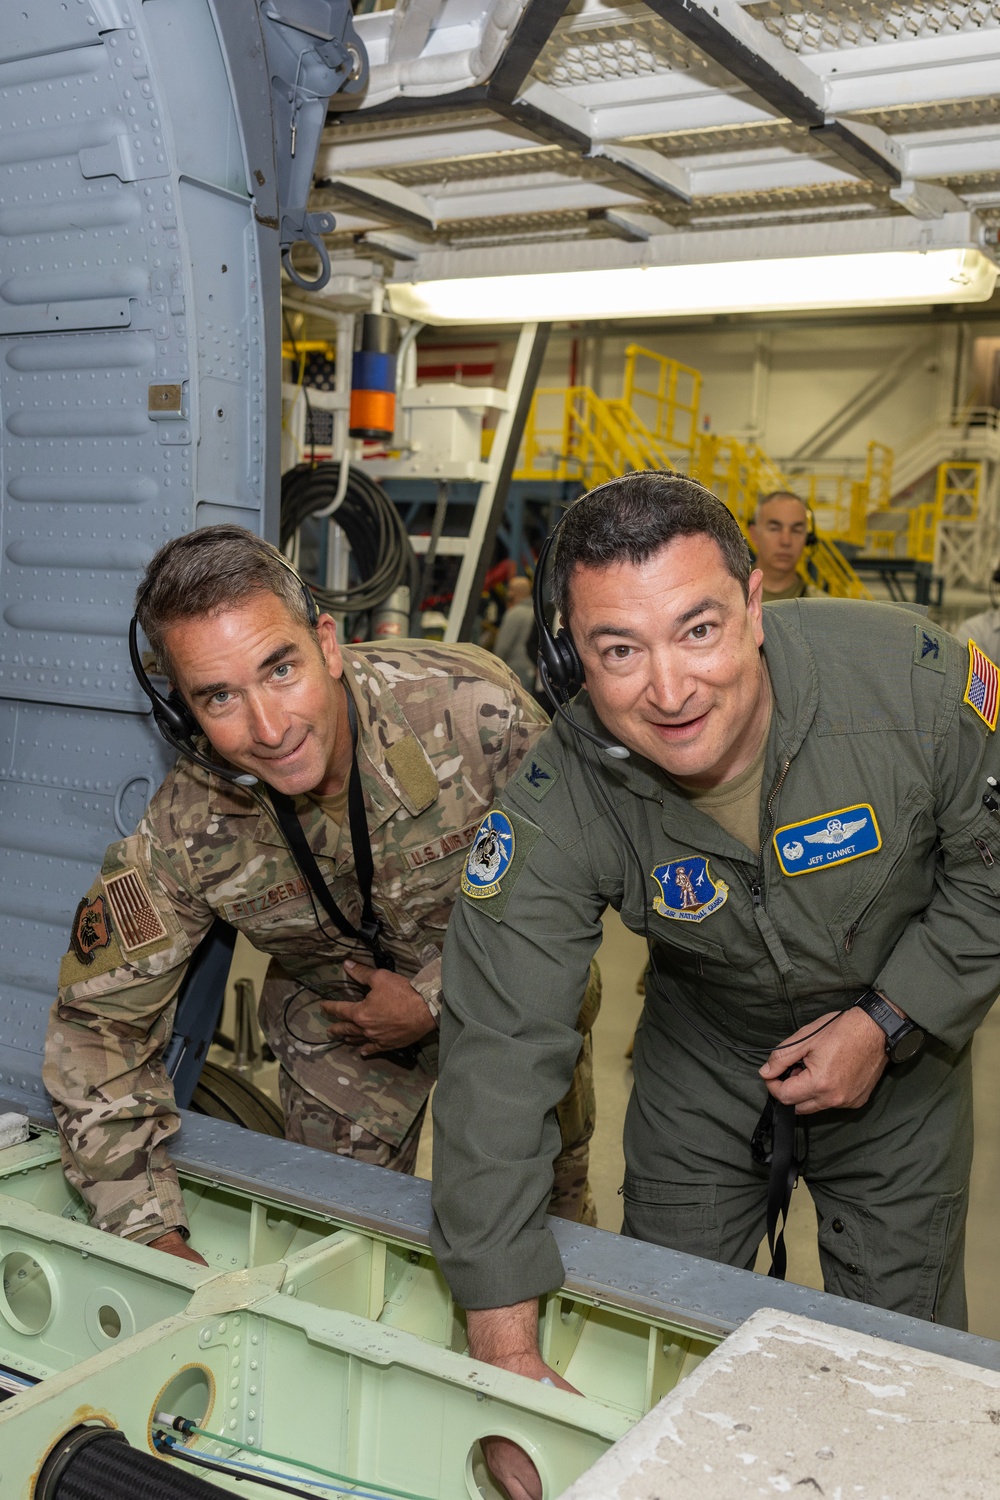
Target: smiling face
(265,690)
(671,656)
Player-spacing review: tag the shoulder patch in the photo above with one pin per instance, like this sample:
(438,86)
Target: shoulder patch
(91,929)
(982,690)
(499,852)
(138,922)
(537,776)
(929,648)
(93,946)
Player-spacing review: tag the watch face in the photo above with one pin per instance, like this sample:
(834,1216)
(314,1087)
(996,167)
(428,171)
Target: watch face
(908,1046)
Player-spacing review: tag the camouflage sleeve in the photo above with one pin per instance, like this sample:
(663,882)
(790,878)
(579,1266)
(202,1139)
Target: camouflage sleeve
(132,936)
(527,723)
(427,983)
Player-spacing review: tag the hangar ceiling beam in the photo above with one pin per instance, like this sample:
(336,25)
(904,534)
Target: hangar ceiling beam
(723,31)
(537,23)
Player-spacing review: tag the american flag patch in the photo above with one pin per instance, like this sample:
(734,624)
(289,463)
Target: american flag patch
(982,692)
(136,918)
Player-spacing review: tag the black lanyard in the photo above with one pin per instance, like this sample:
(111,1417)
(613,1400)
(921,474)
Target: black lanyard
(370,930)
(773,1146)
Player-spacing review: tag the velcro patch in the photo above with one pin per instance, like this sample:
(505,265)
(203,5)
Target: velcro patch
(91,929)
(136,918)
(537,776)
(498,855)
(833,838)
(928,650)
(252,906)
(448,843)
(982,691)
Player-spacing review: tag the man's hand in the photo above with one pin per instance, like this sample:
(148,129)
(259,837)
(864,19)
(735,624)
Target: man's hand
(392,1015)
(174,1243)
(508,1337)
(835,1070)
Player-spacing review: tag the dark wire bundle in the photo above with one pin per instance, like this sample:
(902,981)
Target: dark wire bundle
(381,554)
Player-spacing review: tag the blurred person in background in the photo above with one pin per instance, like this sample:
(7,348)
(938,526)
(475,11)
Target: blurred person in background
(781,529)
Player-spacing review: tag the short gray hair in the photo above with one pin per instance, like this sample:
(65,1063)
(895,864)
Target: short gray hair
(214,568)
(631,518)
(778,495)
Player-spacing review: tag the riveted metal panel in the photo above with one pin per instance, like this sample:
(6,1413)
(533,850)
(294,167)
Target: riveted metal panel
(139,347)
(71,782)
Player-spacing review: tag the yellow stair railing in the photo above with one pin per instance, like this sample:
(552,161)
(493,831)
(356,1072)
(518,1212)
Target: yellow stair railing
(571,434)
(663,396)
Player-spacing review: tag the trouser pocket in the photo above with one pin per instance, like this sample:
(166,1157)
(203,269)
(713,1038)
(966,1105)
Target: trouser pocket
(682,1216)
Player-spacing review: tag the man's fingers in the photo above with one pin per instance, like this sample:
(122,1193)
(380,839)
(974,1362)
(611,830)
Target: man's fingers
(360,972)
(512,1468)
(786,1058)
(347,1032)
(342,1010)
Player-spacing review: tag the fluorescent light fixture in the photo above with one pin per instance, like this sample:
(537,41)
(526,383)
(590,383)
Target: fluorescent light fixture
(884,278)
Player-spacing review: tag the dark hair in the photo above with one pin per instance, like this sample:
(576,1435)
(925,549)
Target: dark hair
(628,519)
(216,567)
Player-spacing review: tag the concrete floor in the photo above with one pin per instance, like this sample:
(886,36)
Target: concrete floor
(622,956)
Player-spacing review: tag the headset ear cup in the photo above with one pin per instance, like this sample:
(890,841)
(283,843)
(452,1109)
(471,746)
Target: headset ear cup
(570,667)
(175,714)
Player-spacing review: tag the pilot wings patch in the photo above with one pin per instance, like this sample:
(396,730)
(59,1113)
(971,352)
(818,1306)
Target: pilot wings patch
(831,839)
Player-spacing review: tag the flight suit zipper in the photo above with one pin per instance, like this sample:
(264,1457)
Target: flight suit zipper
(765,926)
(757,884)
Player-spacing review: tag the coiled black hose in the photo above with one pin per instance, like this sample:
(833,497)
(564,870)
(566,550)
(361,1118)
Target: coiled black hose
(97,1463)
(380,547)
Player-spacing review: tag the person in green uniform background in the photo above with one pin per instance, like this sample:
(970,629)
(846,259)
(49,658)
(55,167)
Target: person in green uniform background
(804,830)
(779,534)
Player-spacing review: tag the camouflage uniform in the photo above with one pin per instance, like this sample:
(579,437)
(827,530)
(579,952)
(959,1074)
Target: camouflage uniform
(442,729)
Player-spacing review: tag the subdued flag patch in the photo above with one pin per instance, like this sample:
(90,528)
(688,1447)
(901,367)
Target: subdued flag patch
(136,918)
(982,691)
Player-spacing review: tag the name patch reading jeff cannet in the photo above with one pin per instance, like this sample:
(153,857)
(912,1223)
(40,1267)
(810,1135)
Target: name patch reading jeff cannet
(833,838)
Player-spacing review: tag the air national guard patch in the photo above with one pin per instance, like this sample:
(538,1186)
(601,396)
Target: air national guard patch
(489,858)
(689,894)
(831,839)
(981,690)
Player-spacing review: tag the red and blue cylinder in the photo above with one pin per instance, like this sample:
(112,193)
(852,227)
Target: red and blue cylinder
(373,377)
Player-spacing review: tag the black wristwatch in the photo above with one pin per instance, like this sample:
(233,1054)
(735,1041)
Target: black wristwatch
(903,1039)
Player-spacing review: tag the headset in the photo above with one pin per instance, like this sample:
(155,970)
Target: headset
(559,663)
(171,715)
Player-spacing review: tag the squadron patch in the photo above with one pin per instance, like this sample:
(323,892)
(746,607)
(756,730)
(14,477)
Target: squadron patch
(136,918)
(91,929)
(833,838)
(982,691)
(489,858)
(688,892)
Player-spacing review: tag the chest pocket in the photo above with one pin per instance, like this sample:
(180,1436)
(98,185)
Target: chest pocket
(274,914)
(417,885)
(897,883)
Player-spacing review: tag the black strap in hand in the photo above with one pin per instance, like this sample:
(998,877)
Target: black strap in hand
(370,931)
(773,1145)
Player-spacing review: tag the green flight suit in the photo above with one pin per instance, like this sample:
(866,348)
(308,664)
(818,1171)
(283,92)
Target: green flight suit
(872,730)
